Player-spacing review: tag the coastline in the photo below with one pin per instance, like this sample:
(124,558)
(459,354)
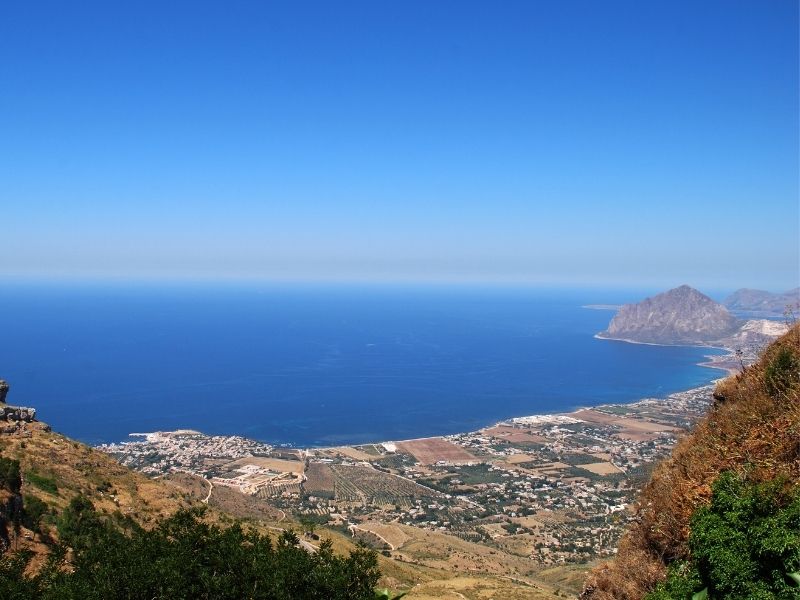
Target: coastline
(599,336)
(723,362)
(728,363)
(714,362)
(554,417)
(531,419)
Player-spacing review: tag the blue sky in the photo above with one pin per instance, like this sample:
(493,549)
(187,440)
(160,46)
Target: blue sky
(562,142)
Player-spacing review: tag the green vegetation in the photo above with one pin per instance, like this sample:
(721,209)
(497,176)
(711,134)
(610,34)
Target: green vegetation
(34,512)
(184,557)
(46,484)
(10,478)
(746,544)
(782,373)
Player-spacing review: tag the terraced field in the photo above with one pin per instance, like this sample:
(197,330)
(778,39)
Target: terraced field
(363,485)
(270,490)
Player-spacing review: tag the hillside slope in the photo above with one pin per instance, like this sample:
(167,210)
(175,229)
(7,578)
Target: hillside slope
(752,430)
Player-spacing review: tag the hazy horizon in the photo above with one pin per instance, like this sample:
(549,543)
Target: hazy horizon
(571,144)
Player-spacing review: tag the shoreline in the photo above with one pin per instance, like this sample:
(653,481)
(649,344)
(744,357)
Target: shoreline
(508,421)
(713,362)
(537,417)
(598,336)
(709,364)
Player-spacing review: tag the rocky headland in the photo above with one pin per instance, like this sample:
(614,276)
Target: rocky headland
(685,316)
(679,316)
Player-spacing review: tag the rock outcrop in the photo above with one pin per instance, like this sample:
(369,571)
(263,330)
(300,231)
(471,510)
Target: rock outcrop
(17,413)
(13,418)
(680,316)
(759,301)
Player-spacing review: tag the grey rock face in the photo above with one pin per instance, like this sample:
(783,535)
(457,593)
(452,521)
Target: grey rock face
(680,316)
(17,413)
(14,413)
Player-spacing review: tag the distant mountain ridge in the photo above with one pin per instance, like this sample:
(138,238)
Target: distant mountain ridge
(762,301)
(681,315)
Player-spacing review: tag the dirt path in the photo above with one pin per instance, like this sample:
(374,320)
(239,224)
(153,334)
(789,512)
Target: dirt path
(210,489)
(376,534)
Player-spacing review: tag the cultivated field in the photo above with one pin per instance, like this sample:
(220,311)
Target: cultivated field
(429,451)
(601,468)
(357,483)
(355,453)
(363,485)
(625,424)
(319,478)
(516,459)
(274,464)
(515,434)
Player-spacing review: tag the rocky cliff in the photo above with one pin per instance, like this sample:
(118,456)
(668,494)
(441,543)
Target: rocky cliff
(680,316)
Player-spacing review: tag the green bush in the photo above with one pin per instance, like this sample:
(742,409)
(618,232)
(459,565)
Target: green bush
(9,475)
(782,373)
(186,558)
(33,512)
(46,484)
(13,583)
(745,544)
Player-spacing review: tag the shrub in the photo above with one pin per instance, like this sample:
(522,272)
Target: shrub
(185,558)
(46,484)
(9,475)
(744,544)
(33,512)
(782,373)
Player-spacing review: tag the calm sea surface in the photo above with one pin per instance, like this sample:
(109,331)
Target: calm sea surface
(314,366)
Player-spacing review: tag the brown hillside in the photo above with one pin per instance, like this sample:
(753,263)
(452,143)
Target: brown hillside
(753,429)
(55,469)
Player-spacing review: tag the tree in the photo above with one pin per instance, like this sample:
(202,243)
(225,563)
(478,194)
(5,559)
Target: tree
(33,511)
(184,557)
(10,478)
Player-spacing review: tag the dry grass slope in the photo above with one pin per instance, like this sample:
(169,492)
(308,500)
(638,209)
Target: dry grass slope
(753,429)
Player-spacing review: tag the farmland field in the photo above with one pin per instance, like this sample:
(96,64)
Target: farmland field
(431,450)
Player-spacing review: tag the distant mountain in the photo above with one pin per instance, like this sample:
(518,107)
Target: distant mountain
(761,301)
(680,316)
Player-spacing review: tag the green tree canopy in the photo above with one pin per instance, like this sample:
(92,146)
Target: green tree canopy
(184,557)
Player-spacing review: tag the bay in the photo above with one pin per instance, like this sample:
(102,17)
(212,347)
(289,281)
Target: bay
(319,365)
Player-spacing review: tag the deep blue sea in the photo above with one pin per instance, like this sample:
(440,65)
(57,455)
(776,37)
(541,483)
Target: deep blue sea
(318,365)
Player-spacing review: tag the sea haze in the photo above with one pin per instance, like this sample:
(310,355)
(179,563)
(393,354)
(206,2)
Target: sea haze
(318,366)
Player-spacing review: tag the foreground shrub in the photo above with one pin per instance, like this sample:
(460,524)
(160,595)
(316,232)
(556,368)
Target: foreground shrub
(10,478)
(185,558)
(745,544)
(782,373)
